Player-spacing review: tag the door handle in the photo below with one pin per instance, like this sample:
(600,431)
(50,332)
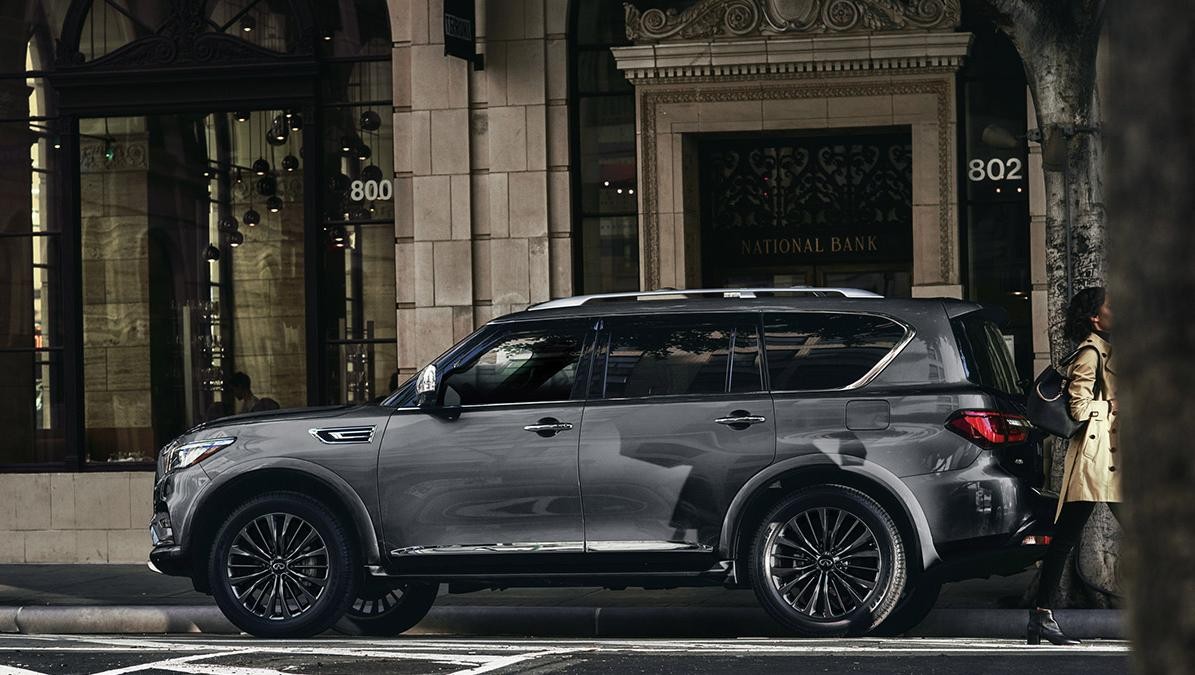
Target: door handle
(741,419)
(548,427)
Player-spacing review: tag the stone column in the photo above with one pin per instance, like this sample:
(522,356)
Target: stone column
(481,162)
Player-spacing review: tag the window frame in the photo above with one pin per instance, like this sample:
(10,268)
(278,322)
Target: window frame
(496,333)
(596,388)
(859,383)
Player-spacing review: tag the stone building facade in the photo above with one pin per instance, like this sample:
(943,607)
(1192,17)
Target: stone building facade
(504,191)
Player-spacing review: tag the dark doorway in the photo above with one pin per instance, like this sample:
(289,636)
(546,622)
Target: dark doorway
(803,209)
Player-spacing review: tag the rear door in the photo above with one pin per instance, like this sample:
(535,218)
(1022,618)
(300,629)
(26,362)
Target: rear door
(677,421)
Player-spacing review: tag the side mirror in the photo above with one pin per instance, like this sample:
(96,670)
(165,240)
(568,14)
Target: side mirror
(425,387)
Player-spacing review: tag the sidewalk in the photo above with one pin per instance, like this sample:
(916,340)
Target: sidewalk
(132,599)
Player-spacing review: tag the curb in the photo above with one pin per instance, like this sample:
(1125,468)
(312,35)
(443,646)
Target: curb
(586,622)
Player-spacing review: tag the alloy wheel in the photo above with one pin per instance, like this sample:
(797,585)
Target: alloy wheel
(376,605)
(825,563)
(277,566)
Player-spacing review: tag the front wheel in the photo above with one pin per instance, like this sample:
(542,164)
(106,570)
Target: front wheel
(282,565)
(384,609)
(828,561)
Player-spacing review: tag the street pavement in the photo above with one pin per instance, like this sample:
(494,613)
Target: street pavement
(67,655)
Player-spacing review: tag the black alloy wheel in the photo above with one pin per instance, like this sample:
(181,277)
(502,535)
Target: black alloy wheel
(828,561)
(283,566)
(385,608)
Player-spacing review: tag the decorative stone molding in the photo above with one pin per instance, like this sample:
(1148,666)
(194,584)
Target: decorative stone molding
(125,156)
(679,61)
(651,99)
(740,18)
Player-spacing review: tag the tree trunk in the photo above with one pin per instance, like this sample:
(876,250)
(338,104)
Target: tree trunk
(1058,45)
(1152,199)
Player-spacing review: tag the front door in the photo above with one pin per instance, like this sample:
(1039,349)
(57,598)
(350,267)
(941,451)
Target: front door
(495,469)
(677,421)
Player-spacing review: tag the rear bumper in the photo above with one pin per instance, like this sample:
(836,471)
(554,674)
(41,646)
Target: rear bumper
(1000,555)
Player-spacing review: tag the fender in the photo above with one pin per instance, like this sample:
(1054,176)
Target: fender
(875,473)
(362,521)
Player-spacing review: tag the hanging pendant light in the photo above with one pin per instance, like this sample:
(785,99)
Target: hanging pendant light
(290,162)
(295,121)
(260,166)
(241,116)
(371,121)
(274,204)
(347,145)
(226,224)
(248,23)
(364,152)
(267,186)
(251,217)
(235,238)
(371,172)
(339,236)
(211,253)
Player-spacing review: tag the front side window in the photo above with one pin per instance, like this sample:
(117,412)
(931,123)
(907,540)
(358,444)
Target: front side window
(681,357)
(815,351)
(526,366)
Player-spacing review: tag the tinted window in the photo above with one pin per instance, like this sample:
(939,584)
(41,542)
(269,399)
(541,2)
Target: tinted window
(985,354)
(825,351)
(677,357)
(522,367)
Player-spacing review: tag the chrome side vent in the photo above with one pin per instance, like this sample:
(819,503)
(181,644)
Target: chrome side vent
(343,435)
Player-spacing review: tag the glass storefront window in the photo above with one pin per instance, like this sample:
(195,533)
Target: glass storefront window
(220,268)
(192,238)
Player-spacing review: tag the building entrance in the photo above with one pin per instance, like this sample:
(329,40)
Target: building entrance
(802,209)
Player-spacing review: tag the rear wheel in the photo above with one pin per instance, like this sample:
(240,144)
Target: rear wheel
(383,608)
(282,566)
(828,561)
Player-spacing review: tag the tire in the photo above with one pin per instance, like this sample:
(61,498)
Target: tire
(272,585)
(385,609)
(847,573)
(919,599)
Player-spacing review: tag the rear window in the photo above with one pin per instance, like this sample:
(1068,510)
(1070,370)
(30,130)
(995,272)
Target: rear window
(985,356)
(813,351)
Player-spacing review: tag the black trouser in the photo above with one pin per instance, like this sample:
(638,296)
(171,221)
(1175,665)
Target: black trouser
(1066,534)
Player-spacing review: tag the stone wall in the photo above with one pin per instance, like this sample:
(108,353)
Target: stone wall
(481,162)
(75,517)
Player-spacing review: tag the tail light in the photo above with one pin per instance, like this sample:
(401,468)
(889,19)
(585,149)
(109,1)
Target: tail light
(989,428)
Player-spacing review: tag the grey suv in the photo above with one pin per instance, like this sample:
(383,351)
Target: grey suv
(842,455)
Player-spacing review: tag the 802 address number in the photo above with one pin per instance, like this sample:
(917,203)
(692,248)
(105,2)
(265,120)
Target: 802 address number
(994,169)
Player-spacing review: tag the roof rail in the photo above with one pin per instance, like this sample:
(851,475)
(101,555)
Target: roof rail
(698,293)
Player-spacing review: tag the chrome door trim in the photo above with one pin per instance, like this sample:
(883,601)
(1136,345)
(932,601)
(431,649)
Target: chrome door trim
(343,435)
(516,547)
(645,546)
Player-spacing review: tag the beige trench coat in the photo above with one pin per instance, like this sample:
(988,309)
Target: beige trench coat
(1092,457)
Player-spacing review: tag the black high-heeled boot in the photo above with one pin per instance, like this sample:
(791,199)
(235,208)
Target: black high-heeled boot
(1043,625)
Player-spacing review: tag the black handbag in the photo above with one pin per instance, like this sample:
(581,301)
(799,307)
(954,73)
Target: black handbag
(1048,404)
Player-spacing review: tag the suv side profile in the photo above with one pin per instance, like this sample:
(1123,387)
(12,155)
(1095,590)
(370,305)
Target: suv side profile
(840,453)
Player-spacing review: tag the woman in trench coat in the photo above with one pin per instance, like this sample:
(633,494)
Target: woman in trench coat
(1092,456)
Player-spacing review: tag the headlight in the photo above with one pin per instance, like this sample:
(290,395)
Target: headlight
(196,451)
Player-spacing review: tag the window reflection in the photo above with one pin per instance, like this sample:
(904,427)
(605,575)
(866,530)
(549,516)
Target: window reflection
(193,271)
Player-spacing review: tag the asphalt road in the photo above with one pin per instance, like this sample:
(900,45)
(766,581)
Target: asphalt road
(66,655)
